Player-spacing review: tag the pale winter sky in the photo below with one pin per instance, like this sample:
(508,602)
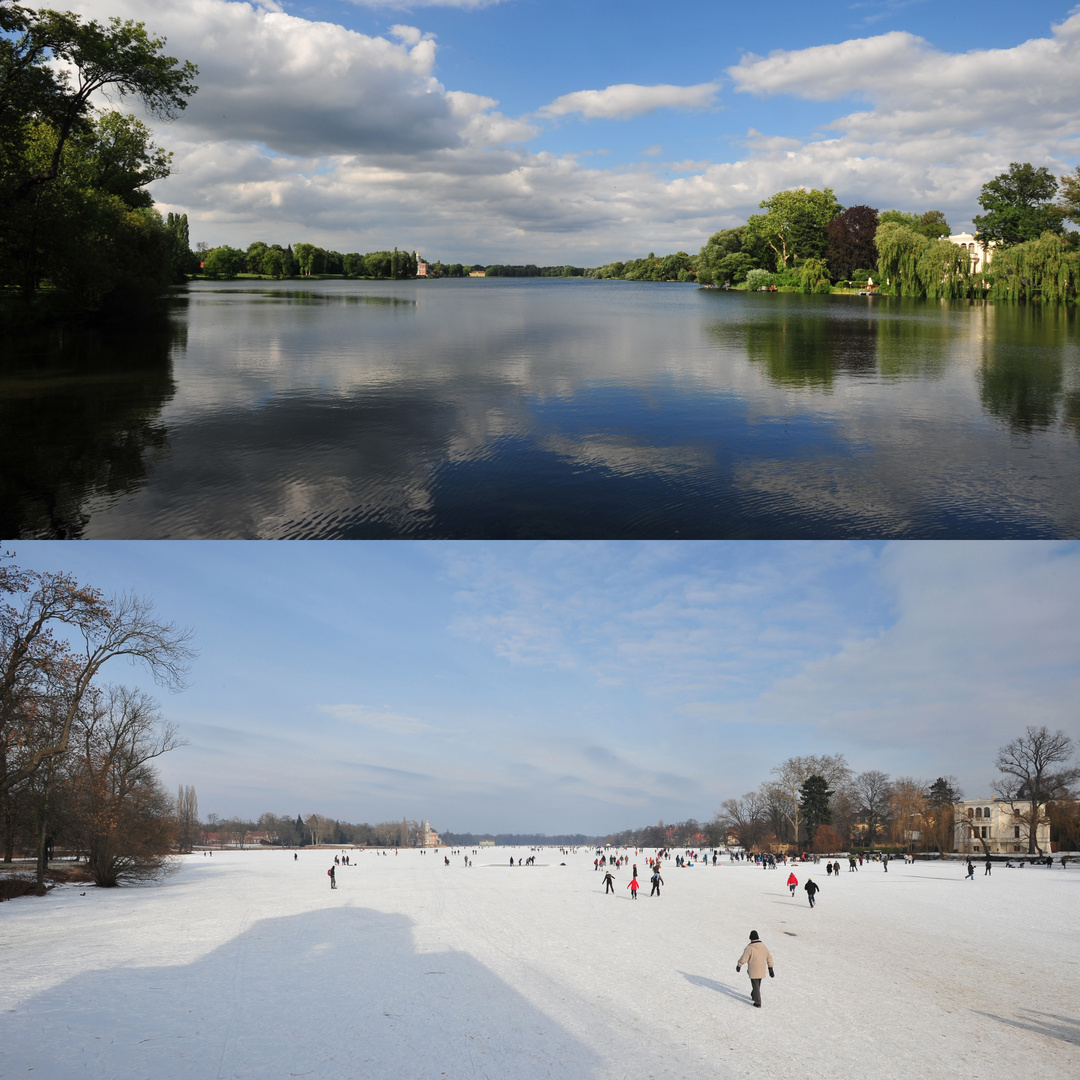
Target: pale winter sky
(589,687)
(561,131)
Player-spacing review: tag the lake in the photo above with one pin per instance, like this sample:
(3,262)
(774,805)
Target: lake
(544,408)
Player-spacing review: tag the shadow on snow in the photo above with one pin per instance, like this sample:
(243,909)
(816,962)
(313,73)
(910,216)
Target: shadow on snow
(327,994)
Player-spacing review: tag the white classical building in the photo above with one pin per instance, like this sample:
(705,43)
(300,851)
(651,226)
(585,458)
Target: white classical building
(980,253)
(997,827)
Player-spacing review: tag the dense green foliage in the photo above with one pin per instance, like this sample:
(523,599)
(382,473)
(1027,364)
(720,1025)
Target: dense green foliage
(932,224)
(73,209)
(1019,206)
(794,224)
(531,270)
(1044,269)
(911,264)
(677,267)
(1070,197)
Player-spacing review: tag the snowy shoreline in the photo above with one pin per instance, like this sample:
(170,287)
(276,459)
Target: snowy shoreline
(246,964)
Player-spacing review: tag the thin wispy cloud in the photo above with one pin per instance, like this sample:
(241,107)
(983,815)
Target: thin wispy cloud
(377,720)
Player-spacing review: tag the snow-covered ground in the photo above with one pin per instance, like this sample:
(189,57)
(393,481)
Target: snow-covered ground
(246,964)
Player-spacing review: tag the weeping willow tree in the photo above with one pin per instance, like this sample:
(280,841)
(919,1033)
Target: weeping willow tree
(814,276)
(1045,269)
(915,265)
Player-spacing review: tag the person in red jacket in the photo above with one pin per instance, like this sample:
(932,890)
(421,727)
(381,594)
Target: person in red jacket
(633,887)
(792,882)
(758,960)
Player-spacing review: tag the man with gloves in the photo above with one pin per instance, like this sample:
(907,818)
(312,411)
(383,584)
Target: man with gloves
(758,960)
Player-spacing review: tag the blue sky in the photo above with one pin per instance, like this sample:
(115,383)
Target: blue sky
(545,130)
(589,687)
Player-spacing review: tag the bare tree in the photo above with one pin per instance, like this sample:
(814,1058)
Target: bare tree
(187,817)
(315,825)
(55,636)
(941,799)
(127,820)
(1029,774)
(873,790)
(907,811)
(786,790)
(746,817)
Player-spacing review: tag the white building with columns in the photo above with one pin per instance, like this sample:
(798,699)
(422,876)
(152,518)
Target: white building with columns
(979,252)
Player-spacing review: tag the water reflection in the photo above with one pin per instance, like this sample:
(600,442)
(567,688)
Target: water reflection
(516,408)
(80,419)
(1022,373)
(309,296)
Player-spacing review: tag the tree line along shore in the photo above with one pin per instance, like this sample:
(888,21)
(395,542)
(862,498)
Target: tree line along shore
(79,231)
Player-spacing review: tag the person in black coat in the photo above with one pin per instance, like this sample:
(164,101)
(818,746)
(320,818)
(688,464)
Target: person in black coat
(812,889)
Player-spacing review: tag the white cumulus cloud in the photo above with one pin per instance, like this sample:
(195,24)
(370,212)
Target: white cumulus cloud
(307,130)
(626,100)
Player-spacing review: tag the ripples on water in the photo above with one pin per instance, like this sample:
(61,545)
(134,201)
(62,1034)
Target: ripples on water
(510,408)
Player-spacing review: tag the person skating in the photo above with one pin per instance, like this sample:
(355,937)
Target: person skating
(609,882)
(986,872)
(633,887)
(792,882)
(970,871)
(758,960)
(812,889)
(657,881)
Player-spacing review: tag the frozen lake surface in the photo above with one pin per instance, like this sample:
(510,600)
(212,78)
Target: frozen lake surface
(246,964)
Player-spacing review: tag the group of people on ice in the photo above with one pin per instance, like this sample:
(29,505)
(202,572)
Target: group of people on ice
(656,880)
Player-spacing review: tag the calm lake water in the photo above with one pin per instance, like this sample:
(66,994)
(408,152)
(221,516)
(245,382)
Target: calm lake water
(544,408)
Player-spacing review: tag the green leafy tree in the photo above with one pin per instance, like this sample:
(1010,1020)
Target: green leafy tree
(1019,206)
(72,180)
(794,224)
(184,261)
(1069,207)
(1046,269)
(734,267)
(224,262)
(757,279)
(121,57)
(813,276)
(910,264)
(931,224)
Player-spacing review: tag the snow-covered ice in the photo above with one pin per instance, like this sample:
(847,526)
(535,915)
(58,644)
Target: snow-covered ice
(246,964)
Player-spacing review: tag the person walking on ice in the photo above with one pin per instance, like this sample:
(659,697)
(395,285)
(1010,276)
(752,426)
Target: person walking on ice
(333,878)
(657,881)
(812,889)
(792,882)
(609,883)
(758,960)
(970,871)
